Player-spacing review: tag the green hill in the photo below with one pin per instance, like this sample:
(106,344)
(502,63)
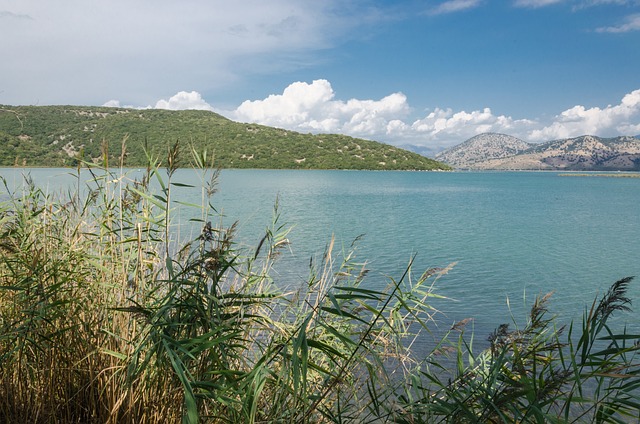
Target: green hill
(59,135)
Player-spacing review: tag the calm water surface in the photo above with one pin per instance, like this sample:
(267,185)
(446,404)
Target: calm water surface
(513,235)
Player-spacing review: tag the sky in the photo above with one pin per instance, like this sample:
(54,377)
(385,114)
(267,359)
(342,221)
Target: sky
(405,72)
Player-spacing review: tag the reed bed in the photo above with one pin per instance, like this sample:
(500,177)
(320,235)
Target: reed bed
(105,317)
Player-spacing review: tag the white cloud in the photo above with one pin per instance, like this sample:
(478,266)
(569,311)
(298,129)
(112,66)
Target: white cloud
(183,101)
(454,6)
(112,103)
(444,127)
(291,108)
(313,107)
(631,23)
(621,119)
(310,107)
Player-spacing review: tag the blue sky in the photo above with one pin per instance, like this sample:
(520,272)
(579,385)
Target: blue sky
(425,73)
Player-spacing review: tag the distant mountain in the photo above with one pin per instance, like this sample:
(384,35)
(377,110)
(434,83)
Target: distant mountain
(61,135)
(487,151)
(481,148)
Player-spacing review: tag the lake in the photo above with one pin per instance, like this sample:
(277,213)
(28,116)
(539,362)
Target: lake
(514,235)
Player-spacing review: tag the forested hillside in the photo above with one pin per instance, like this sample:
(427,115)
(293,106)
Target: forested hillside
(61,135)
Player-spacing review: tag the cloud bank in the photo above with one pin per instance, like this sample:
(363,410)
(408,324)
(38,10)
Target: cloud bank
(313,107)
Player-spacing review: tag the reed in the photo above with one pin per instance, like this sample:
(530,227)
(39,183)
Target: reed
(537,374)
(107,317)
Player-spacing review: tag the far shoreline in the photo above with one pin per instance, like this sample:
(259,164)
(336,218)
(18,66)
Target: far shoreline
(601,174)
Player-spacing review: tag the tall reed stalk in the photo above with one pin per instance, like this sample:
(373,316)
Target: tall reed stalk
(107,317)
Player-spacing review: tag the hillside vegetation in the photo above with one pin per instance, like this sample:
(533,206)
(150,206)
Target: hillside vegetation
(60,135)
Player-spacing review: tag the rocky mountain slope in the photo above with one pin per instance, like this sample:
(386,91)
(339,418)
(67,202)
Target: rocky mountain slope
(496,151)
(481,148)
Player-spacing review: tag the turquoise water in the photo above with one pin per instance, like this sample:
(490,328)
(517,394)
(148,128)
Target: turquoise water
(513,235)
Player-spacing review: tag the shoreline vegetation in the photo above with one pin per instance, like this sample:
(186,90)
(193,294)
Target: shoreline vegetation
(106,318)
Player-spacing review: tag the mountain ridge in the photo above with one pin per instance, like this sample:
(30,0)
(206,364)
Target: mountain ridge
(490,151)
(482,147)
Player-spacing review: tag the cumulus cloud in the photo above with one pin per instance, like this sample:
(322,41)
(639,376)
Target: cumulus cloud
(446,124)
(183,101)
(631,23)
(311,107)
(621,119)
(314,107)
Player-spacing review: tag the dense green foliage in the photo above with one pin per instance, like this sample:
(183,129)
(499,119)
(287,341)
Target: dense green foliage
(59,135)
(106,318)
